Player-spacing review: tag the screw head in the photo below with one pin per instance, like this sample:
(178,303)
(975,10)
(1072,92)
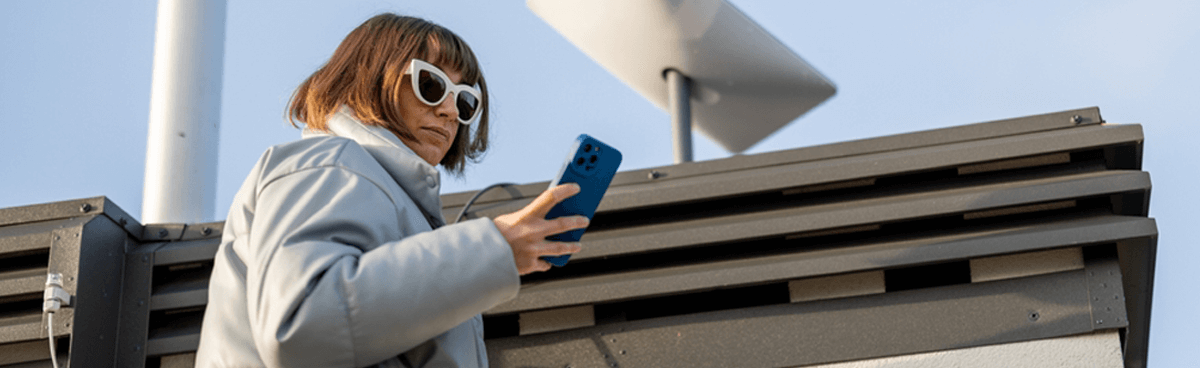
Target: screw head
(85,207)
(653,175)
(206,231)
(162,233)
(1076,119)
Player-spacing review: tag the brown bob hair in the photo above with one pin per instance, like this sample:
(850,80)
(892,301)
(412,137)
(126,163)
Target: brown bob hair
(366,73)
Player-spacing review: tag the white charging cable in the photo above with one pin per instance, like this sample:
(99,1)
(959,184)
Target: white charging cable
(53,299)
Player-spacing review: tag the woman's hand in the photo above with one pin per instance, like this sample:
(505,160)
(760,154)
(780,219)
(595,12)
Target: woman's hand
(526,230)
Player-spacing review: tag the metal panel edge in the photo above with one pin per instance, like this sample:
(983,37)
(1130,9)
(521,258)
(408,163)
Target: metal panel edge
(101,268)
(1137,263)
(135,305)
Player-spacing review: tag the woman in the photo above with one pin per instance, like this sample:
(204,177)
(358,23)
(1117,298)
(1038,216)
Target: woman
(334,252)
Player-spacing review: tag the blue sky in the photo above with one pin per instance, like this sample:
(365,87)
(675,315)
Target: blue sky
(75,85)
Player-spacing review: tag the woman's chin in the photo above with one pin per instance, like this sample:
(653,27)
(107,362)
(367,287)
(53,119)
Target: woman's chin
(431,154)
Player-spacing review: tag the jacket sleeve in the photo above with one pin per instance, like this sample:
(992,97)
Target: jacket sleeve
(326,288)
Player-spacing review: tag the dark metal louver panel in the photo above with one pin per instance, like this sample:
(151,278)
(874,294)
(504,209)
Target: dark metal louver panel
(722,251)
(1013,230)
(166,292)
(84,241)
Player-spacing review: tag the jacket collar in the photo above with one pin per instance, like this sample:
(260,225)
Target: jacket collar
(420,180)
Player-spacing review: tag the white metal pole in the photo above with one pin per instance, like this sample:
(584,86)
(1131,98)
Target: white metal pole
(185,110)
(680,100)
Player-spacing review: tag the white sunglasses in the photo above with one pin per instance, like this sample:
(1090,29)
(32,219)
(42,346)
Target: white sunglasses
(432,85)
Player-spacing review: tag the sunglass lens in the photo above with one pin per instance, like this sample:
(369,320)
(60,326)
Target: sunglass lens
(431,86)
(466,104)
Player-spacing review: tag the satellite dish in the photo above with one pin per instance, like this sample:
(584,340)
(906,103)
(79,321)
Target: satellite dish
(741,83)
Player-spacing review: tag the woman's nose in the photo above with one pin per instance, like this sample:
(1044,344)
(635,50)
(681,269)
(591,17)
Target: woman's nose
(447,107)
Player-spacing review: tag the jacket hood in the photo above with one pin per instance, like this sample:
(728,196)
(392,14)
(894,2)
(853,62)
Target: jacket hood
(421,180)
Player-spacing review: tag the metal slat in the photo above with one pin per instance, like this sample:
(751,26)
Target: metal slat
(24,352)
(896,323)
(23,281)
(187,251)
(898,142)
(31,236)
(182,335)
(680,234)
(986,130)
(707,276)
(867,166)
(22,328)
(176,344)
(193,293)
(805,173)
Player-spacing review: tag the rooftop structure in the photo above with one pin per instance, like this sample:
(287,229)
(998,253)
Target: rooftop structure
(1008,243)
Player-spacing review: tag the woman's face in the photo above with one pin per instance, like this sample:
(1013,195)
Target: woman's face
(433,127)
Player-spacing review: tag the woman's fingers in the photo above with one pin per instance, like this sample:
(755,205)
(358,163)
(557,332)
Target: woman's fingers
(543,266)
(538,250)
(561,225)
(544,202)
(556,249)
(526,230)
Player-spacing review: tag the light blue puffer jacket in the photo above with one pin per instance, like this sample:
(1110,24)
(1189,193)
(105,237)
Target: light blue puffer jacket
(328,260)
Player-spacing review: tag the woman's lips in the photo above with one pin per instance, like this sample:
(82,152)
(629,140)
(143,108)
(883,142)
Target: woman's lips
(443,135)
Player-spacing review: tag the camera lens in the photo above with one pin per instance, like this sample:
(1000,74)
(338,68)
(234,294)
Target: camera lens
(579,161)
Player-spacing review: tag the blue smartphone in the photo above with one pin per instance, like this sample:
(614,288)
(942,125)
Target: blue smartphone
(592,165)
